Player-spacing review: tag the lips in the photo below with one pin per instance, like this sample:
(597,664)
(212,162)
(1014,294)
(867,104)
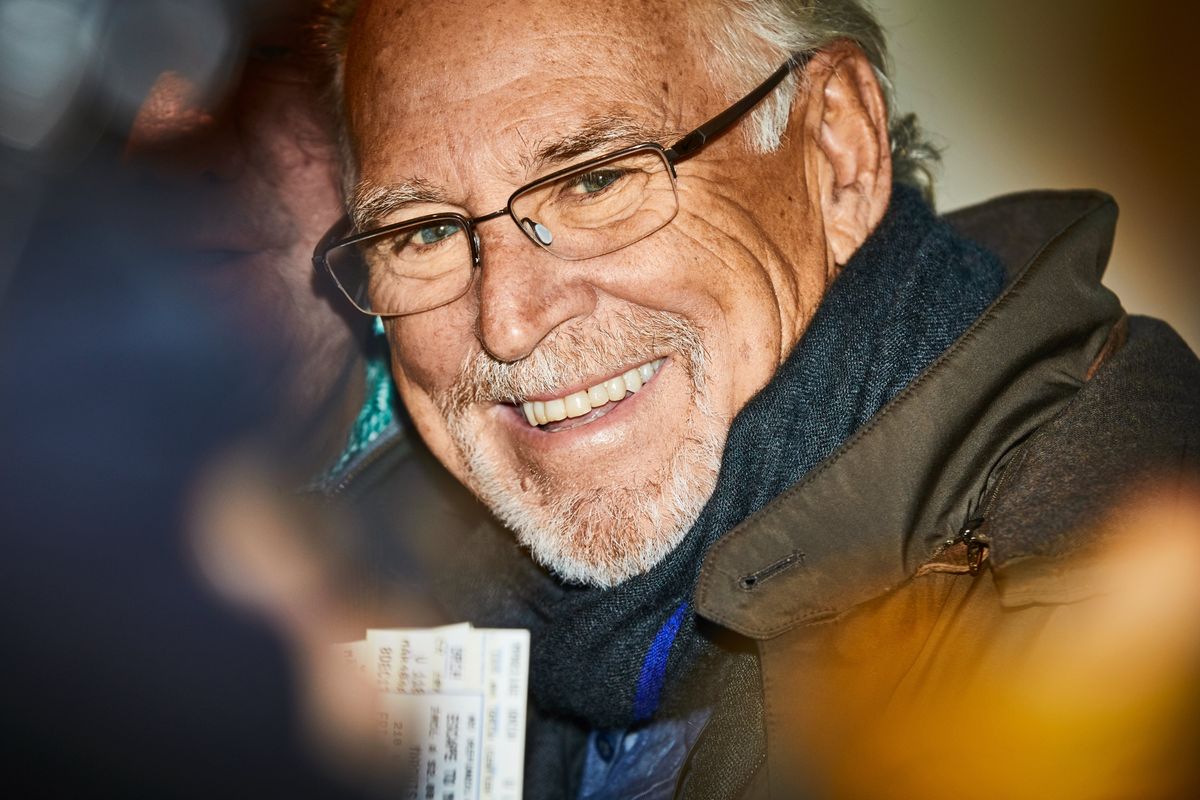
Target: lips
(582,407)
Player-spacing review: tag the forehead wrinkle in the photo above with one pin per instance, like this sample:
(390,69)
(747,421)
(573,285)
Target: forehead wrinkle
(371,202)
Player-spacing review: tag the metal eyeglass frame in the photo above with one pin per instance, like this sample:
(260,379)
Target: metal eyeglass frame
(683,149)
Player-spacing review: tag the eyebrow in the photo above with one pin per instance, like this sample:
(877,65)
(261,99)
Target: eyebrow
(596,133)
(370,203)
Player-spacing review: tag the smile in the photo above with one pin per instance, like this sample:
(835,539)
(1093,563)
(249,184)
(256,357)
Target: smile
(587,405)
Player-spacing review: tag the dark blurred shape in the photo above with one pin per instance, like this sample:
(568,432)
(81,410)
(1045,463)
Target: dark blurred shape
(248,184)
(123,675)
(194,38)
(122,374)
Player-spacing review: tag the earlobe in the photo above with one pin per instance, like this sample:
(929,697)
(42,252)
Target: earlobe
(848,126)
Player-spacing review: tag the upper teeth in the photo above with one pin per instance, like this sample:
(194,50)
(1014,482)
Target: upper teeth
(539,412)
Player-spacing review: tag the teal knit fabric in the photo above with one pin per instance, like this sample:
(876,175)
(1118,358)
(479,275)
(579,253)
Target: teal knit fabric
(378,413)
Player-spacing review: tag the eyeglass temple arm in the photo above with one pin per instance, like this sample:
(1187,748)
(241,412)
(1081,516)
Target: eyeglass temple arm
(339,229)
(693,142)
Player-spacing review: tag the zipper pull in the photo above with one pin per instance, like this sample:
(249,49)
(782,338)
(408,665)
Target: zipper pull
(974,534)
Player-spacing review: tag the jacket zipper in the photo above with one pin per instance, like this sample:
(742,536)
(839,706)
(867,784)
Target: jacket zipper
(974,532)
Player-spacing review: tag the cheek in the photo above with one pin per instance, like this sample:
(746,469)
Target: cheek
(427,353)
(702,273)
(701,279)
(429,349)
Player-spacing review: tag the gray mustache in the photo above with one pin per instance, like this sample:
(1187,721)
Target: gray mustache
(573,355)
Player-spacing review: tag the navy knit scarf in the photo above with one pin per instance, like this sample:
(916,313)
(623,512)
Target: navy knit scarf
(609,657)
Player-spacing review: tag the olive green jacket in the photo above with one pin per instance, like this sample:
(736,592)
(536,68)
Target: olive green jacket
(932,606)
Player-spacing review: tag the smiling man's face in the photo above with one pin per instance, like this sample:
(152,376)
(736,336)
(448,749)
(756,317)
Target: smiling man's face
(648,351)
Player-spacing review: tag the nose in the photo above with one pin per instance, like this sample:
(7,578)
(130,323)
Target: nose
(525,293)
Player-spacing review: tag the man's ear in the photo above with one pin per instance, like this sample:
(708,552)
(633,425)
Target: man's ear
(849,151)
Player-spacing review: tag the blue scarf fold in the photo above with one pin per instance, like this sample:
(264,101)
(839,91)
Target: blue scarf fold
(613,657)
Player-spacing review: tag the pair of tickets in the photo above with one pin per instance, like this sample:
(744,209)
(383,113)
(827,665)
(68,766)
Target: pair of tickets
(451,710)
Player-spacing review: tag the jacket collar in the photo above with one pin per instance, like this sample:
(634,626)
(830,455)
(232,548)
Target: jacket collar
(897,491)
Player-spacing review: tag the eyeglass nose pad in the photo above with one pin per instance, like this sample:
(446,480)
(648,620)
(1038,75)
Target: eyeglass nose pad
(540,233)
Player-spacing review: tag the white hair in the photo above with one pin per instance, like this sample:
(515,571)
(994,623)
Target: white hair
(793,26)
(741,60)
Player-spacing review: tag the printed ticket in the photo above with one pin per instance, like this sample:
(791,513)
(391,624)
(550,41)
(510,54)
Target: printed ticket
(434,740)
(506,687)
(452,717)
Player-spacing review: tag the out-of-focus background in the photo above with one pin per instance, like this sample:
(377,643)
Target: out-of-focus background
(1069,94)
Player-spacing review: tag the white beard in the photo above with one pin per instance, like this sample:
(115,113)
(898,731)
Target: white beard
(599,535)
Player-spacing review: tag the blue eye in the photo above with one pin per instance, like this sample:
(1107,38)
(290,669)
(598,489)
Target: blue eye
(598,180)
(434,233)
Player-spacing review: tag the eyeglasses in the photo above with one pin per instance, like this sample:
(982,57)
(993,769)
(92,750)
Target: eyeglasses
(584,211)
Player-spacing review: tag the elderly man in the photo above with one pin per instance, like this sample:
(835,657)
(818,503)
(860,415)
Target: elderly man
(791,454)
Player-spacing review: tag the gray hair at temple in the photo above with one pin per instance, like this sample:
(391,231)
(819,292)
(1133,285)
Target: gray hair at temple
(785,26)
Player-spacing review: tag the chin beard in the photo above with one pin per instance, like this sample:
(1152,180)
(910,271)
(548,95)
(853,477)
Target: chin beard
(598,536)
(602,536)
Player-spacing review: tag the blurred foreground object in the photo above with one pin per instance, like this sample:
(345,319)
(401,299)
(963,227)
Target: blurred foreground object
(248,183)
(126,371)
(73,72)
(124,677)
(401,711)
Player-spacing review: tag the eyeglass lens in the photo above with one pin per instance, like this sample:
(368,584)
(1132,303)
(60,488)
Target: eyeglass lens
(601,207)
